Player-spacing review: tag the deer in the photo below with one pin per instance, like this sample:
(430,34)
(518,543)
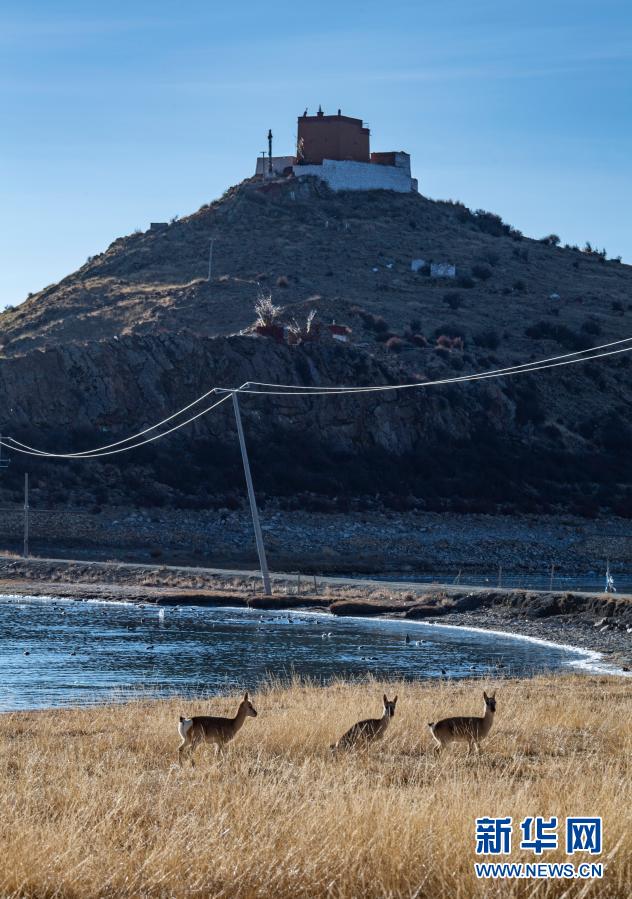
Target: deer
(365,732)
(464,728)
(212,729)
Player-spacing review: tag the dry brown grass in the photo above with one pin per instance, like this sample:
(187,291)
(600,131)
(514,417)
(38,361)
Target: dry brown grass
(92,804)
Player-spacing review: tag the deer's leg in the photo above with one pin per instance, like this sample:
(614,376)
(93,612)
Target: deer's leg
(184,749)
(194,742)
(219,750)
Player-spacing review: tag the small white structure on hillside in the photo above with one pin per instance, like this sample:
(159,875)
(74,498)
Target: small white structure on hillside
(442,270)
(434,269)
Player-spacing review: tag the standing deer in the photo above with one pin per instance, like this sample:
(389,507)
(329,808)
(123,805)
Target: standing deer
(365,732)
(212,729)
(468,729)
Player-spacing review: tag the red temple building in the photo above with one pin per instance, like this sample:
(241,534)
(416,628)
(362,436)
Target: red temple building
(336,149)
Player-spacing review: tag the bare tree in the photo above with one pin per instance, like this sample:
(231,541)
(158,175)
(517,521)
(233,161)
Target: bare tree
(302,332)
(265,309)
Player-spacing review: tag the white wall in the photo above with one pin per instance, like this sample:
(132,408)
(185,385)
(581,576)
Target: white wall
(278,164)
(402,161)
(347,175)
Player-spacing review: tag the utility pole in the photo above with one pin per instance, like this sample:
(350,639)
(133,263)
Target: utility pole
(26,515)
(263,562)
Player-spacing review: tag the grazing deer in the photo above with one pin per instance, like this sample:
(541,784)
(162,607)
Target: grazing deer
(365,732)
(211,729)
(468,729)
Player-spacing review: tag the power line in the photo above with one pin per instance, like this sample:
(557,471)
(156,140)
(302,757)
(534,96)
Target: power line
(88,453)
(603,346)
(42,454)
(308,390)
(299,390)
(525,368)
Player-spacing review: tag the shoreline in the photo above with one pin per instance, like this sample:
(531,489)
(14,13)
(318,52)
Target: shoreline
(607,648)
(591,622)
(587,662)
(594,662)
(567,634)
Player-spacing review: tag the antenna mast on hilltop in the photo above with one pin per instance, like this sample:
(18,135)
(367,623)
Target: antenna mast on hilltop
(270,151)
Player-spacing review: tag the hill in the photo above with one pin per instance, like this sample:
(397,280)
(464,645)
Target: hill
(139,331)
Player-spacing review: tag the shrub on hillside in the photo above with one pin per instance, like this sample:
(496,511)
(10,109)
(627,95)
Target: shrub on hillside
(545,330)
(451,329)
(371,321)
(490,223)
(482,272)
(591,326)
(551,240)
(395,344)
(466,282)
(489,339)
(453,299)
(379,324)
(589,250)
(491,256)
(282,281)
(449,343)
(484,221)
(521,253)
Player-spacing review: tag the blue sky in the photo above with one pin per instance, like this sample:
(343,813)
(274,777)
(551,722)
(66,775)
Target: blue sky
(117,114)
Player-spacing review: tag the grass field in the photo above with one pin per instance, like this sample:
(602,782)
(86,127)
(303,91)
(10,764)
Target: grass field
(93,804)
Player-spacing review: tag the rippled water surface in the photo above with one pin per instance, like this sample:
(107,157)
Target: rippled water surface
(56,652)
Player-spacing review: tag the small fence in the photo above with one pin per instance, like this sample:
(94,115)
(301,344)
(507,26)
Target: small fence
(593,582)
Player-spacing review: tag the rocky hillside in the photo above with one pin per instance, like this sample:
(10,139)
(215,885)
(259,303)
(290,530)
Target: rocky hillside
(139,331)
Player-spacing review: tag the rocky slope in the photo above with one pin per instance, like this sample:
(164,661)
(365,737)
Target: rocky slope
(138,332)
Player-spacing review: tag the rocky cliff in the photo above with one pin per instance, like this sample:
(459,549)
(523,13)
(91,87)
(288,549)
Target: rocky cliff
(139,331)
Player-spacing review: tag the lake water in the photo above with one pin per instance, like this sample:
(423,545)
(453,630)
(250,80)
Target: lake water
(59,653)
